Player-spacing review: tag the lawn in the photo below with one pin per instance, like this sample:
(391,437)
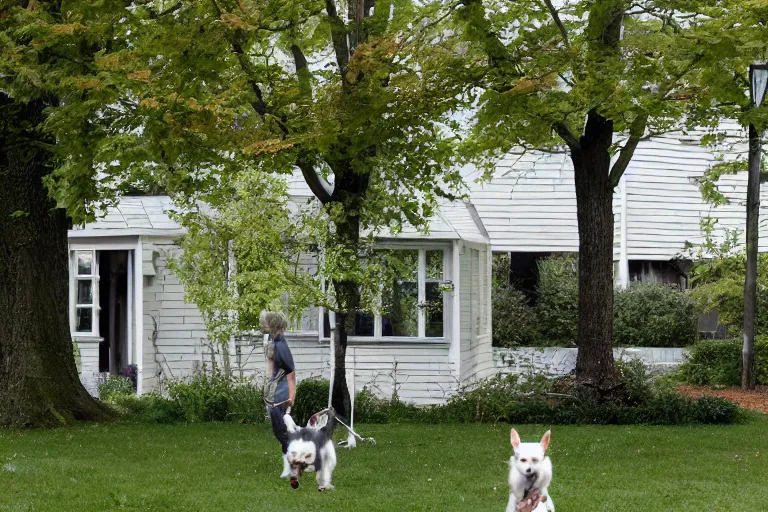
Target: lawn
(227,467)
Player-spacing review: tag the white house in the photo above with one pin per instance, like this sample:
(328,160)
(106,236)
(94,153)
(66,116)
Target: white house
(127,308)
(529,206)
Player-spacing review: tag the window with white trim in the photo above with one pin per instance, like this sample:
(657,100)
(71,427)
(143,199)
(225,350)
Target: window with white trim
(412,302)
(84,297)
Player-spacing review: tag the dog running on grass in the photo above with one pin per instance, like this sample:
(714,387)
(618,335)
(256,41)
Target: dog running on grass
(529,468)
(310,449)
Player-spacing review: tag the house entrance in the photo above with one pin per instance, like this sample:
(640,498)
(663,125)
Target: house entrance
(114,317)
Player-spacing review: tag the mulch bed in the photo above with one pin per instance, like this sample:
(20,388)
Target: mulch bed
(756,400)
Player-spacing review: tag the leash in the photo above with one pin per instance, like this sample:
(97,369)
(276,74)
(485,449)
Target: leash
(313,420)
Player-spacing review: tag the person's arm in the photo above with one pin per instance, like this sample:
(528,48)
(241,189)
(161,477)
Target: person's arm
(530,503)
(291,387)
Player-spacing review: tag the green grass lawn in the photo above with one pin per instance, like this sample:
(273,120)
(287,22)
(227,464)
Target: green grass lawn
(225,467)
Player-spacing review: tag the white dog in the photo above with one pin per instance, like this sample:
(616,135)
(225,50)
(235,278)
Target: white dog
(529,468)
(311,449)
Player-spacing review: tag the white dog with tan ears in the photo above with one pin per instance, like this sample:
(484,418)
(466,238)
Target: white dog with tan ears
(529,468)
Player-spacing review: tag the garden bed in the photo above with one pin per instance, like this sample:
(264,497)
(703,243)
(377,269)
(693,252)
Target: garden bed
(756,400)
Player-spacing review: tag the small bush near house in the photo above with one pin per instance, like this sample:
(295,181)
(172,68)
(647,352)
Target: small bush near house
(719,363)
(720,287)
(517,400)
(558,301)
(645,315)
(217,398)
(653,315)
(115,386)
(148,408)
(514,320)
(311,397)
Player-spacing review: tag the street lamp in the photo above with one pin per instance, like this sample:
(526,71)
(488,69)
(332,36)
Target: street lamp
(758,83)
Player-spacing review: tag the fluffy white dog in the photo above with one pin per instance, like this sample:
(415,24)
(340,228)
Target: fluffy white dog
(529,468)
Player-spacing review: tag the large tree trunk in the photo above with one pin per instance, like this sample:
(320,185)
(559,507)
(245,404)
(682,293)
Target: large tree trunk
(39,384)
(345,325)
(349,192)
(594,204)
(750,282)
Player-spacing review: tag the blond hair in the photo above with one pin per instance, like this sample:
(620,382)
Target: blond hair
(275,321)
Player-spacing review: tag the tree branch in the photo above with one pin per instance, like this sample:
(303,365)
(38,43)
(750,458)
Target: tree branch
(302,70)
(558,21)
(316,183)
(567,135)
(338,37)
(636,132)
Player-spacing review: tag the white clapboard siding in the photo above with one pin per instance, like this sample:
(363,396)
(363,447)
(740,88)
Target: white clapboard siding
(530,204)
(664,203)
(421,373)
(179,345)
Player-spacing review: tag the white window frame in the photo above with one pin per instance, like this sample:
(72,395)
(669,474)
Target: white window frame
(421,287)
(74,278)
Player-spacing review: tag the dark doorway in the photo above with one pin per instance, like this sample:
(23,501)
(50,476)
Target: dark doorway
(113,318)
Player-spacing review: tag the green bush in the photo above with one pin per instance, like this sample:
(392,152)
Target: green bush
(720,287)
(369,408)
(217,398)
(653,315)
(518,400)
(558,300)
(719,363)
(115,386)
(148,408)
(311,397)
(514,320)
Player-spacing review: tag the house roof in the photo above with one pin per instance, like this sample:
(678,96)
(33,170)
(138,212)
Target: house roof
(149,216)
(140,215)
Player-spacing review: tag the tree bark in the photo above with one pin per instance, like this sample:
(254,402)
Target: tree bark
(750,282)
(39,383)
(594,206)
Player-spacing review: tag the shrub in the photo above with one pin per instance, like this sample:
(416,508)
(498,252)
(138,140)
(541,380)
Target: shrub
(719,363)
(514,320)
(217,398)
(115,386)
(311,397)
(536,399)
(720,287)
(653,315)
(369,408)
(148,408)
(558,300)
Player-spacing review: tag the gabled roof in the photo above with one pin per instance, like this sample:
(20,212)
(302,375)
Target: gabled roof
(148,216)
(139,215)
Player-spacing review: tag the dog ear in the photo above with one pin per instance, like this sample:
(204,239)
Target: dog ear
(545,439)
(514,438)
(290,424)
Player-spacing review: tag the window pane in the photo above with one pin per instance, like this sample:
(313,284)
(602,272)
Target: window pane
(84,263)
(433,310)
(364,324)
(401,296)
(84,291)
(434,265)
(84,320)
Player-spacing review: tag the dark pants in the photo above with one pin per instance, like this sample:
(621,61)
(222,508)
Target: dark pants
(278,425)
